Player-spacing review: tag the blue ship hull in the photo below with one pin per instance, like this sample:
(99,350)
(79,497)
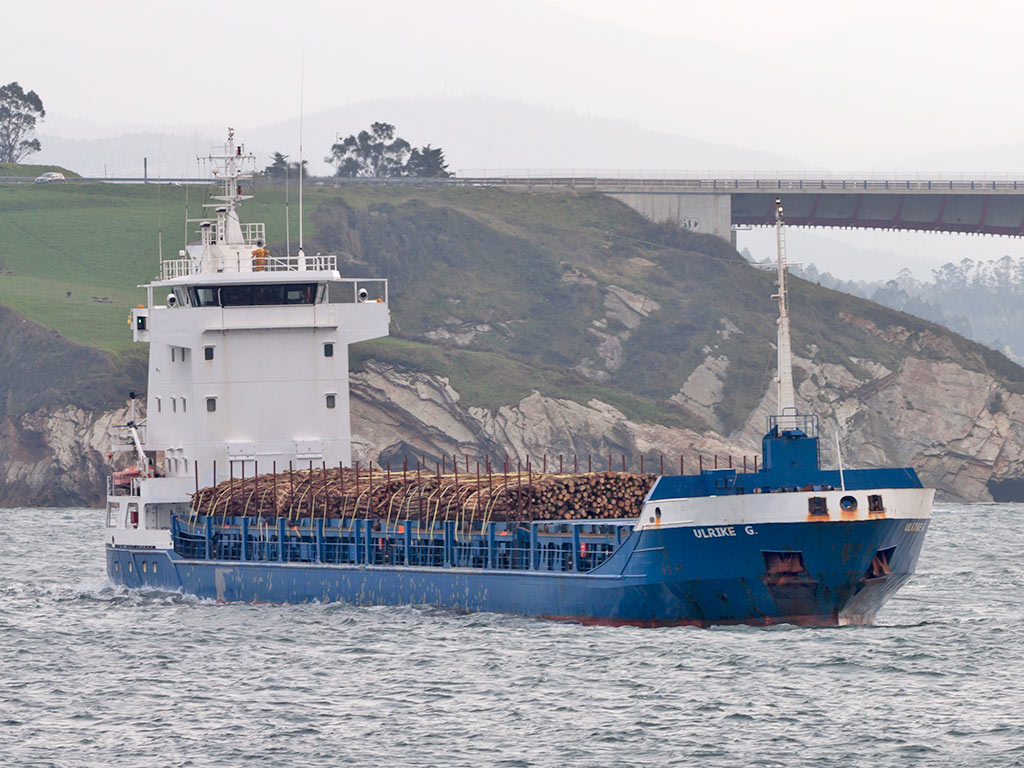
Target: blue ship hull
(656,577)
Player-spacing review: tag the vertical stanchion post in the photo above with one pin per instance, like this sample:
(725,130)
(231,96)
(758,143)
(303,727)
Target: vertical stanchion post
(368,539)
(320,541)
(408,542)
(533,546)
(244,531)
(490,543)
(209,538)
(560,469)
(447,544)
(661,459)
(282,534)
(576,554)
(641,463)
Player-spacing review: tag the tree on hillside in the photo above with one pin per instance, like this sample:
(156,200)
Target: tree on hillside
(427,163)
(280,167)
(373,153)
(19,112)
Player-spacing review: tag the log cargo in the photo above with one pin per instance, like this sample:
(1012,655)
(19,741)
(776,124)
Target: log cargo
(348,493)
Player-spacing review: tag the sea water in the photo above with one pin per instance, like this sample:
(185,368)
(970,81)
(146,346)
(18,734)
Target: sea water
(93,675)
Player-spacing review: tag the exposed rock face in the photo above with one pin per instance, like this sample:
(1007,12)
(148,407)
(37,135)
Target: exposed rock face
(55,458)
(397,414)
(960,429)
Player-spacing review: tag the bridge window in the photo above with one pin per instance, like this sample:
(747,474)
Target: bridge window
(328,350)
(875,503)
(208,353)
(260,294)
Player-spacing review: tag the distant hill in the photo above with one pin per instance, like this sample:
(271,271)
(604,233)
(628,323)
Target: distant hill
(983,300)
(475,132)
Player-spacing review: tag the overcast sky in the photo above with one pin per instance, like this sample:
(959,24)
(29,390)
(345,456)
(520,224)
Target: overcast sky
(868,85)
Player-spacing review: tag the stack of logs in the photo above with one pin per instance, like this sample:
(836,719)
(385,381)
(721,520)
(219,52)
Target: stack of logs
(431,497)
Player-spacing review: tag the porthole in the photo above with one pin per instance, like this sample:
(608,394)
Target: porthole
(153,564)
(657,512)
(117,567)
(143,566)
(130,566)
(848,504)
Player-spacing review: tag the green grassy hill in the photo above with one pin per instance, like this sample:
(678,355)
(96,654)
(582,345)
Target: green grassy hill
(503,292)
(31,171)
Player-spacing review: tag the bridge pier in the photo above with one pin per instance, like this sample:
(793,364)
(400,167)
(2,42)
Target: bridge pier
(707,213)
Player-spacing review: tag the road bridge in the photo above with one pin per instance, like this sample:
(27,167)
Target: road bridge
(718,204)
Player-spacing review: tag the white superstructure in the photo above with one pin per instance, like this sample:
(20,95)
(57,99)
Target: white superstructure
(248,363)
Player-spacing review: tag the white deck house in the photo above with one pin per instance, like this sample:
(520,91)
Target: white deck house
(248,364)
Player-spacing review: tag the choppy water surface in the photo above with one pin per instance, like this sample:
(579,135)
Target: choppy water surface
(93,675)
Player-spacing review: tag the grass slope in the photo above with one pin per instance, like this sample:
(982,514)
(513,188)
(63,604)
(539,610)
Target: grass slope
(31,171)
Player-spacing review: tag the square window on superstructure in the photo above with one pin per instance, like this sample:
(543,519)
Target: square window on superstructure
(172,354)
(328,349)
(211,404)
(174,405)
(183,408)
(331,400)
(158,405)
(208,353)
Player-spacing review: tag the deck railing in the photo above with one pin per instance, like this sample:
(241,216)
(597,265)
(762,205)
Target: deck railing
(186,267)
(552,546)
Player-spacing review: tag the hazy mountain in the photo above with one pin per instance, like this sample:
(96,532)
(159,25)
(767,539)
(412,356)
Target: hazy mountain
(476,133)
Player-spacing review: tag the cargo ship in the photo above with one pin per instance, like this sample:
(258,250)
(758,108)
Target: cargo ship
(248,367)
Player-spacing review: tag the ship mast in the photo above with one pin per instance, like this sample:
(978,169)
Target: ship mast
(784,377)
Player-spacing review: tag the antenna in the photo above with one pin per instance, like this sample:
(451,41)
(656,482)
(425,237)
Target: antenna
(302,88)
(784,379)
(159,223)
(287,215)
